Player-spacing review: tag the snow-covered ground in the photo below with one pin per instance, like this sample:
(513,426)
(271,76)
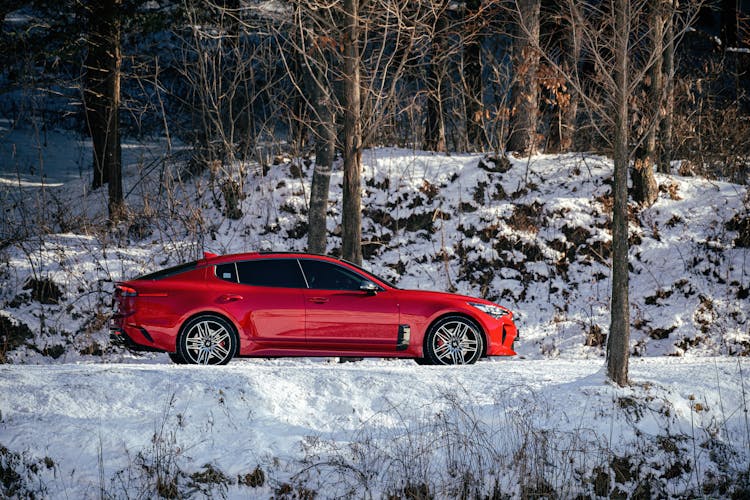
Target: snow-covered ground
(78,416)
(378,427)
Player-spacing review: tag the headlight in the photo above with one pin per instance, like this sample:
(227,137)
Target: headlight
(496,312)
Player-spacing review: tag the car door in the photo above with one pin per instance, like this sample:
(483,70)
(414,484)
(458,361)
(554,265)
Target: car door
(339,315)
(266,296)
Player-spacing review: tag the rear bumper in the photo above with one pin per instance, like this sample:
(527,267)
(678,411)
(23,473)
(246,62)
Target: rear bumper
(135,339)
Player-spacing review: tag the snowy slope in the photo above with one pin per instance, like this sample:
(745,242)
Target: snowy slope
(533,235)
(512,427)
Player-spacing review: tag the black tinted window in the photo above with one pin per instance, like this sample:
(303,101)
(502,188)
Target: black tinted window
(284,273)
(227,272)
(327,276)
(166,273)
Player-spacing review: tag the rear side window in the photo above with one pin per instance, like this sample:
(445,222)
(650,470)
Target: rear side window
(323,275)
(282,273)
(166,273)
(227,272)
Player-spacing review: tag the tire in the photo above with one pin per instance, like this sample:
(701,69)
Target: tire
(207,340)
(176,358)
(454,340)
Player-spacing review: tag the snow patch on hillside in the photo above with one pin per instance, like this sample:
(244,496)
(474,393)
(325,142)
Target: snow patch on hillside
(532,234)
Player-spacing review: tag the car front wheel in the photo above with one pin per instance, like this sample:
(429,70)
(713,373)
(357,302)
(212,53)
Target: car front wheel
(207,340)
(454,340)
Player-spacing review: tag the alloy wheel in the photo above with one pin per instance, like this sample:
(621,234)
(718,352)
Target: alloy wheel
(207,341)
(454,341)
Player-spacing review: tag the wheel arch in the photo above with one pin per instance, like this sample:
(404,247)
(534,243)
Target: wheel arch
(209,312)
(461,314)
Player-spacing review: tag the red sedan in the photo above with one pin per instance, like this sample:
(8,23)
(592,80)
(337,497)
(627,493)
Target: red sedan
(295,304)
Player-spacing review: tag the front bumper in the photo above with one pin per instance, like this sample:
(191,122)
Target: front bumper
(500,342)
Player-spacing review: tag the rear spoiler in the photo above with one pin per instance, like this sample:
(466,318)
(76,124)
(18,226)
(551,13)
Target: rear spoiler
(207,256)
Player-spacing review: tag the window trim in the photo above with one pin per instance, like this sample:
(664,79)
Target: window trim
(304,276)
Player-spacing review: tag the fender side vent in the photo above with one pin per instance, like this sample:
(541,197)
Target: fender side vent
(404,336)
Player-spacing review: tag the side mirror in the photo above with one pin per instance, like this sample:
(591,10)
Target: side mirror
(369,287)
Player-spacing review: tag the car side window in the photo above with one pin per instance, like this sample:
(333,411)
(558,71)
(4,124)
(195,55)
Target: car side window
(227,272)
(282,273)
(327,276)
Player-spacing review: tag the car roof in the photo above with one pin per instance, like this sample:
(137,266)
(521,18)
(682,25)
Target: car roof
(212,259)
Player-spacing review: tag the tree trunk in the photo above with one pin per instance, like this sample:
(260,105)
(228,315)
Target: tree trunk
(94,92)
(729,23)
(571,58)
(472,56)
(523,127)
(618,341)
(645,188)
(102,99)
(351,219)
(325,147)
(665,130)
(113,151)
(434,124)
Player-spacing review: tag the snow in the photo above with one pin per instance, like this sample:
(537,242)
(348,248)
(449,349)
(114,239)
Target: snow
(93,419)
(535,239)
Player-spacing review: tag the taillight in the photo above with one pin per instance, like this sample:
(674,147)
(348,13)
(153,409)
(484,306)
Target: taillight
(126,291)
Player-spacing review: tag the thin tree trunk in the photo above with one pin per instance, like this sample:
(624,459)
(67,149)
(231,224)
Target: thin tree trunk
(94,93)
(618,341)
(351,219)
(434,123)
(113,151)
(102,99)
(571,55)
(472,56)
(325,146)
(525,90)
(665,130)
(645,188)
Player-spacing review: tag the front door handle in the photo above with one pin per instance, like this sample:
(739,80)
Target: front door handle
(318,300)
(230,297)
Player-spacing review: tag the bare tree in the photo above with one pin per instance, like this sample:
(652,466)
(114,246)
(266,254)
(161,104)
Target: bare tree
(524,114)
(618,340)
(645,187)
(472,73)
(351,217)
(324,120)
(231,71)
(434,135)
(611,34)
(564,41)
(354,54)
(102,99)
(666,127)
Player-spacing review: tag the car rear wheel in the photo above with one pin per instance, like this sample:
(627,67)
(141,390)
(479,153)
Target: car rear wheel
(207,340)
(454,340)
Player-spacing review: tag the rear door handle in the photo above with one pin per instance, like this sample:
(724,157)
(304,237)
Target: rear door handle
(318,300)
(230,297)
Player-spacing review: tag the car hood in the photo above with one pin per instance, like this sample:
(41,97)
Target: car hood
(447,296)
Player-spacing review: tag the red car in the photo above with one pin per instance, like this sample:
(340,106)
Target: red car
(295,304)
